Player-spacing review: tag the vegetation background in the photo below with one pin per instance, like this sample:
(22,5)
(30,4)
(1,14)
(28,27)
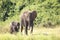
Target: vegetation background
(48,16)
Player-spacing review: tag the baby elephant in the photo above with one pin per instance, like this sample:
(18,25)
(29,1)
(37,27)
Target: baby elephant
(14,27)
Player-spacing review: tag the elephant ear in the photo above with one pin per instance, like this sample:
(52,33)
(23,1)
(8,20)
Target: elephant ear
(18,25)
(33,15)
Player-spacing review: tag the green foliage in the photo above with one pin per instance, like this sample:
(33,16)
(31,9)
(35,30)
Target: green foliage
(6,7)
(47,10)
(48,15)
(8,36)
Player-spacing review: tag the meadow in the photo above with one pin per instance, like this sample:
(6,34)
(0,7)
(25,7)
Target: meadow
(38,34)
(46,24)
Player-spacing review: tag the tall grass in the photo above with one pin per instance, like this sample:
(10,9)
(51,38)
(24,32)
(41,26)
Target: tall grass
(8,36)
(38,34)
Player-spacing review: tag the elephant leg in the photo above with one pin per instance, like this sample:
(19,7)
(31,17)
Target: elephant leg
(16,29)
(26,28)
(12,30)
(21,25)
(31,27)
(21,28)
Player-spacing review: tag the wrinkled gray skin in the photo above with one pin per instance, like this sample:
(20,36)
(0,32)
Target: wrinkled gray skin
(14,27)
(27,19)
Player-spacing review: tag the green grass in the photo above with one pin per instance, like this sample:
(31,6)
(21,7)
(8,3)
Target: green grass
(8,36)
(47,10)
(38,34)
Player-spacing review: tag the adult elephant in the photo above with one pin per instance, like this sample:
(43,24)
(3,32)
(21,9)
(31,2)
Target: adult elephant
(27,19)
